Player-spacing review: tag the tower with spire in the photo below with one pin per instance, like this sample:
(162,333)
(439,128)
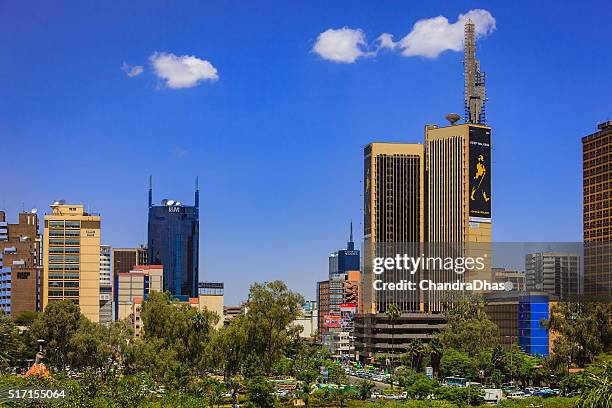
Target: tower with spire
(173,241)
(474,80)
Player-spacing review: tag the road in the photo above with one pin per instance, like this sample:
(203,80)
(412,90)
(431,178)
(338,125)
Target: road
(354,380)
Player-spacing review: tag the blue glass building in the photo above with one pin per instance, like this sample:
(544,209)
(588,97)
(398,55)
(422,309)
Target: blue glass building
(344,260)
(533,334)
(174,231)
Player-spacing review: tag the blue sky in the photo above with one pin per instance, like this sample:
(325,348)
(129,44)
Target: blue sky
(276,132)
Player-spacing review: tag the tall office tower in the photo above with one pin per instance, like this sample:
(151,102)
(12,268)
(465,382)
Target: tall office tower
(345,259)
(475,92)
(555,273)
(393,218)
(72,258)
(106,287)
(458,168)
(597,211)
(338,298)
(174,243)
(20,263)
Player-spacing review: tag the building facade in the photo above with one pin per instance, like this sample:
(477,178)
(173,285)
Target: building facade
(597,211)
(72,258)
(517,278)
(555,273)
(519,317)
(211,297)
(174,243)
(20,264)
(125,259)
(132,288)
(106,285)
(308,319)
(394,199)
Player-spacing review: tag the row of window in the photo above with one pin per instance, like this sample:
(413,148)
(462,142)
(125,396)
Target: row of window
(59,293)
(64,267)
(61,233)
(70,241)
(62,224)
(62,250)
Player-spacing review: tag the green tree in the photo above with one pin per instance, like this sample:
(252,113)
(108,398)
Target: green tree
(393,314)
(582,331)
(26,318)
(436,351)
(469,329)
(458,363)
(260,393)
(230,345)
(416,351)
(89,346)
(597,388)
(56,325)
(270,311)
(419,386)
(9,341)
(179,330)
(364,388)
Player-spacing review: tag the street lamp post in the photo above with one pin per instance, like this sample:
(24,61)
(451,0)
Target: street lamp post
(511,371)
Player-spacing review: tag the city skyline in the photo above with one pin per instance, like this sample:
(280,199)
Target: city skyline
(271,136)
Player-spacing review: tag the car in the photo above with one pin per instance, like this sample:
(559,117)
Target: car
(545,393)
(516,395)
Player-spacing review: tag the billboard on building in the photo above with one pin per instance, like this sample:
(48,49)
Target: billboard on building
(331,321)
(348,307)
(480,174)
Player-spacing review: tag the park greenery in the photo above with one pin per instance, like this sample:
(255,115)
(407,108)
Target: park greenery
(182,360)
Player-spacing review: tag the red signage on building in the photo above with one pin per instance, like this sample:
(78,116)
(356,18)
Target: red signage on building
(331,321)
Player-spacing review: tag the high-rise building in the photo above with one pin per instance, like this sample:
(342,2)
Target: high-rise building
(345,259)
(72,258)
(597,211)
(106,286)
(435,199)
(20,264)
(174,243)
(338,300)
(394,197)
(555,273)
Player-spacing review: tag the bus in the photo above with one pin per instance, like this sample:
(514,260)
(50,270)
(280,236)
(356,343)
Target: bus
(455,382)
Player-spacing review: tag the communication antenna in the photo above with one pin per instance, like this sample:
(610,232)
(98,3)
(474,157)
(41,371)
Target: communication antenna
(452,118)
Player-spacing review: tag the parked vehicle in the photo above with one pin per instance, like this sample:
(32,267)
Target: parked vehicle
(516,395)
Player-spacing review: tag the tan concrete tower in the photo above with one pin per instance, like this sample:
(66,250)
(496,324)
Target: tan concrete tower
(72,258)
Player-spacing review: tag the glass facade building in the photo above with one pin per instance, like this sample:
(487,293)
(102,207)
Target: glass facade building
(174,243)
(533,333)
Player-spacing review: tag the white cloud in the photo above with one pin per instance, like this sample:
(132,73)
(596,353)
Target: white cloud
(341,45)
(132,70)
(430,37)
(386,41)
(182,72)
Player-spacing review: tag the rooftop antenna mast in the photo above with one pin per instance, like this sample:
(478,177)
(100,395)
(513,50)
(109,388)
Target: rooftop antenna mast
(150,191)
(197,193)
(474,80)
